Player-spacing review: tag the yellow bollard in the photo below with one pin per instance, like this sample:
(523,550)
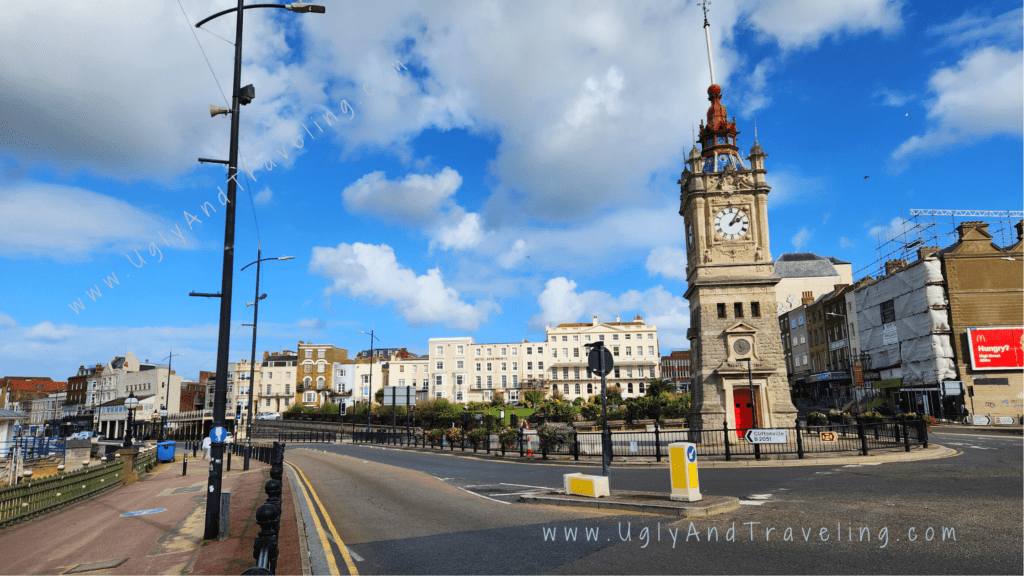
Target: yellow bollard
(683,467)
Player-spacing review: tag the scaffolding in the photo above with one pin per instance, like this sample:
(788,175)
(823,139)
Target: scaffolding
(930,228)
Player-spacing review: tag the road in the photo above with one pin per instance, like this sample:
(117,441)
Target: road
(404,512)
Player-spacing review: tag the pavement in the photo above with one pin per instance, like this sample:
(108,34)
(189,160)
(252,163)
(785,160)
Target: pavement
(92,537)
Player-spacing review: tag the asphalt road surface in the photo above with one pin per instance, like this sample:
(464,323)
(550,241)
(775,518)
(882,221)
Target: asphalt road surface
(401,512)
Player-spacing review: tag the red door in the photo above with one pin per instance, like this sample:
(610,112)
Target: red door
(744,417)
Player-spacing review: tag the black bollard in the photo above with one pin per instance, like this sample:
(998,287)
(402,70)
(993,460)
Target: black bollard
(184,465)
(229,461)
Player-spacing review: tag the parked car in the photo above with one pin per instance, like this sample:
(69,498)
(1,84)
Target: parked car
(268,416)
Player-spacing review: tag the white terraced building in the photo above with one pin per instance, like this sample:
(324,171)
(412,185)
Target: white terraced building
(462,370)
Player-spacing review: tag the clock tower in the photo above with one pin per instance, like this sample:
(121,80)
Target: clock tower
(739,371)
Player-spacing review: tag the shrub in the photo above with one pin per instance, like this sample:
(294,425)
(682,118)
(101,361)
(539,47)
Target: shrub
(329,408)
(476,437)
(507,437)
(817,419)
(435,436)
(554,436)
(454,436)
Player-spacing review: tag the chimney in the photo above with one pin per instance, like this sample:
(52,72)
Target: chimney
(926,251)
(964,227)
(595,320)
(617,318)
(893,266)
(839,287)
(807,299)
(638,318)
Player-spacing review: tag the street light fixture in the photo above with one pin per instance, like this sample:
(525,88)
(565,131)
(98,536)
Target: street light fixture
(130,403)
(167,399)
(369,398)
(252,360)
(212,529)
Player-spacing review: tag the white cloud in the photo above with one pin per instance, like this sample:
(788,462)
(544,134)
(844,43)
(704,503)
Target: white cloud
(668,261)
(79,103)
(48,331)
(465,234)
(561,303)
(790,186)
(978,98)
(898,226)
(890,97)
(757,97)
(372,272)
(66,223)
(6,321)
(801,238)
(514,255)
(263,198)
(311,324)
(845,242)
(803,23)
(417,199)
(973,28)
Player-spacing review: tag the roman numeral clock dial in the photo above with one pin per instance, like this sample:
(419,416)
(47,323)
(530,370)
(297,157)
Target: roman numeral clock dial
(732,223)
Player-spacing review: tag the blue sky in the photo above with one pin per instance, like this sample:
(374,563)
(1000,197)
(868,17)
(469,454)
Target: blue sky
(517,170)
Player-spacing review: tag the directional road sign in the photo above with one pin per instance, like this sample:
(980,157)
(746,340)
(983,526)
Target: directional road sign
(218,435)
(765,436)
(828,436)
(980,420)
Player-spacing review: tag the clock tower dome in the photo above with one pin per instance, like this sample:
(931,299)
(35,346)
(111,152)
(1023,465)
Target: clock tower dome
(739,371)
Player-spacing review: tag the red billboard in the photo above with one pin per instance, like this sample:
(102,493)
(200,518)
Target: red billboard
(996,348)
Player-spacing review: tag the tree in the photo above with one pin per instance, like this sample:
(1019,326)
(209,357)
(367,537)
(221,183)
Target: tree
(533,397)
(614,394)
(329,408)
(498,399)
(379,396)
(656,386)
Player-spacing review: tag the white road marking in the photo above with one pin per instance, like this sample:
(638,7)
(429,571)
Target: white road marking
(484,497)
(354,556)
(750,503)
(759,496)
(528,486)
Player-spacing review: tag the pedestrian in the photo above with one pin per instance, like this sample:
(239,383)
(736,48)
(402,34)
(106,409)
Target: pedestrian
(524,427)
(206,447)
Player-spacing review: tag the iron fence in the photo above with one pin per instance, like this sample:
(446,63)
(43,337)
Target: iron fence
(32,447)
(34,497)
(798,440)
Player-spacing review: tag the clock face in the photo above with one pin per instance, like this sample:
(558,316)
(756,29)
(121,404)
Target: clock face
(732,223)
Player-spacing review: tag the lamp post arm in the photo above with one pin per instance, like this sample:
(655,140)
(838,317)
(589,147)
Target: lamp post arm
(230,10)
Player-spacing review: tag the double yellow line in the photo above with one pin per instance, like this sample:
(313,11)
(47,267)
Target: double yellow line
(320,519)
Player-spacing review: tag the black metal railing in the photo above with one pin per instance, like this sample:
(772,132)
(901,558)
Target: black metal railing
(268,516)
(800,439)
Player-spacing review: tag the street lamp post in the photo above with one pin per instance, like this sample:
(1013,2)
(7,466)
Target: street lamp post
(130,403)
(167,399)
(252,360)
(369,398)
(238,98)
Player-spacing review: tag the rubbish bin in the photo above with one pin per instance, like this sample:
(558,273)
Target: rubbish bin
(165,451)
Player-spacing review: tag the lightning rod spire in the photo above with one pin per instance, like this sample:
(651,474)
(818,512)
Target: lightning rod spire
(707,37)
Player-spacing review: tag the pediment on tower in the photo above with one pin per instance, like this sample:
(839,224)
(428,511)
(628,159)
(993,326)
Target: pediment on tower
(741,328)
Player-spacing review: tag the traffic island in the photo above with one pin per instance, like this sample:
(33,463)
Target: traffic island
(646,502)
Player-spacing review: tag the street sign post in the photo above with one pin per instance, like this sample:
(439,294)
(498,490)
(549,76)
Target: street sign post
(600,362)
(828,436)
(765,436)
(980,420)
